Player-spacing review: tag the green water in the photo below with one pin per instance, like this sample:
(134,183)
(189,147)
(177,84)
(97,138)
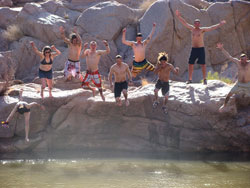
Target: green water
(128,172)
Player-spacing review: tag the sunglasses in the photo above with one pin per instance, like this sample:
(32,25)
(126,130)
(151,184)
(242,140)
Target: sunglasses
(47,52)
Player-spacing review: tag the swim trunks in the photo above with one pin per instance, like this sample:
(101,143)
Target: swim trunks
(164,86)
(119,87)
(139,66)
(197,53)
(72,68)
(95,77)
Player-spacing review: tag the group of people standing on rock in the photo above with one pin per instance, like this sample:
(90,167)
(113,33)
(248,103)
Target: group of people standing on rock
(121,70)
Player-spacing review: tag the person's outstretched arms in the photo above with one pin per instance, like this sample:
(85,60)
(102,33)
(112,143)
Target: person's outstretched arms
(150,35)
(62,32)
(183,21)
(55,53)
(124,41)
(34,48)
(220,46)
(103,52)
(11,114)
(213,27)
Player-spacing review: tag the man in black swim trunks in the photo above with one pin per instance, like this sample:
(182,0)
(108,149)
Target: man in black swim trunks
(22,107)
(120,70)
(198,50)
(163,69)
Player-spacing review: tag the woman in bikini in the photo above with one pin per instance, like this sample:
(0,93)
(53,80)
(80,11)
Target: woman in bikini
(45,68)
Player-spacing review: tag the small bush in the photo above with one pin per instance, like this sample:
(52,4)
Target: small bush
(215,76)
(146,4)
(13,33)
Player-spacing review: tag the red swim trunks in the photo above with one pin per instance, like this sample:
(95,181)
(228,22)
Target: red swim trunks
(95,77)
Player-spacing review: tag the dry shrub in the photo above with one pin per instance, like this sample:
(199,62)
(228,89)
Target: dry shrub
(13,33)
(146,4)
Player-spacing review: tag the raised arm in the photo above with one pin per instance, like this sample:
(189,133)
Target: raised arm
(157,68)
(55,53)
(213,27)
(34,48)
(62,31)
(124,41)
(103,52)
(150,35)
(84,51)
(183,21)
(220,46)
(79,39)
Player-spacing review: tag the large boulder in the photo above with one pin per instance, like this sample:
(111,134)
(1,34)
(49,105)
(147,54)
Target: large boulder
(7,66)
(6,3)
(8,16)
(106,20)
(36,22)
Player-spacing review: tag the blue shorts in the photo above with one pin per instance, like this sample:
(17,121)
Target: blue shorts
(197,53)
(45,74)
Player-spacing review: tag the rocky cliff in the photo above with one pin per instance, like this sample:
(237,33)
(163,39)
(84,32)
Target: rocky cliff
(75,120)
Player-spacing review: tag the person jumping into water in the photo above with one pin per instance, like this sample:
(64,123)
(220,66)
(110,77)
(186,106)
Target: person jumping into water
(92,60)
(120,70)
(163,69)
(198,50)
(22,108)
(72,66)
(243,83)
(45,68)
(139,48)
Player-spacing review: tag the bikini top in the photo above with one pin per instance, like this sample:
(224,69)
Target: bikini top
(43,62)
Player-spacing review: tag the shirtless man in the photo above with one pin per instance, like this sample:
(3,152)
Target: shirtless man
(243,83)
(22,107)
(163,69)
(72,66)
(120,70)
(92,59)
(198,50)
(139,48)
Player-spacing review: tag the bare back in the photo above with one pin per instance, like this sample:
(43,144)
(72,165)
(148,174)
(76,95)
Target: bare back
(139,51)
(120,72)
(74,52)
(164,73)
(197,38)
(244,73)
(92,60)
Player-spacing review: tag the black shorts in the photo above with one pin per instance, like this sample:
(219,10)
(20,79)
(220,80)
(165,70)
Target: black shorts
(45,74)
(119,86)
(164,86)
(197,53)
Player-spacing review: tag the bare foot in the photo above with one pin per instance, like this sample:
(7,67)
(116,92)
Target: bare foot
(127,102)
(102,96)
(93,91)
(222,108)
(27,139)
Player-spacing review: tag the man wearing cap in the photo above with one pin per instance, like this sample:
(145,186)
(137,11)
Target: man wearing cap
(120,70)
(198,50)
(243,83)
(139,48)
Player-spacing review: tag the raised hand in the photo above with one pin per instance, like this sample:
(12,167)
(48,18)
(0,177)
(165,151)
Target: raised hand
(223,22)
(32,43)
(154,24)
(124,30)
(75,30)
(177,70)
(86,45)
(53,47)
(177,12)
(105,42)
(219,45)
(61,28)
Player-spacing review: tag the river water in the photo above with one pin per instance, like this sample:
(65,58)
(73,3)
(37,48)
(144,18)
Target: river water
(110,170)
